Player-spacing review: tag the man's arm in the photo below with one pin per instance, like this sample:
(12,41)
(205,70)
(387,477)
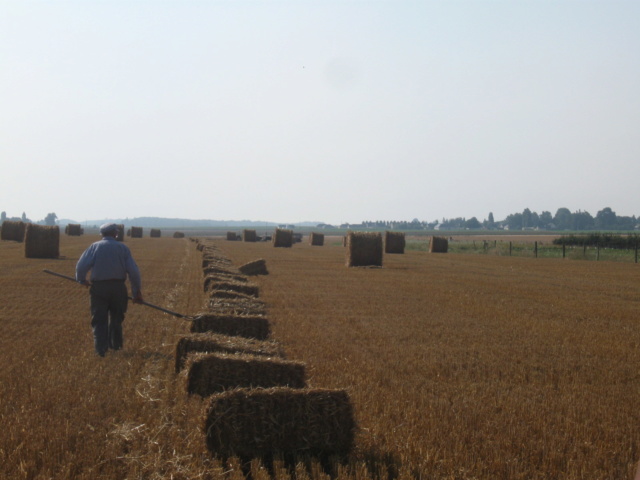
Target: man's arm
(86,261)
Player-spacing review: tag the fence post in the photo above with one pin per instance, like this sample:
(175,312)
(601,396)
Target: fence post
(535,249)
(636,250)
(597,251)
(563,250)
(509,248)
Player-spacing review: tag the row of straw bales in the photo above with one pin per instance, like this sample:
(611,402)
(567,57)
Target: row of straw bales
(367,248)
(40,241)
(258,402)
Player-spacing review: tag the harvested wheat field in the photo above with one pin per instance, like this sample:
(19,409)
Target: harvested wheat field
(457,366)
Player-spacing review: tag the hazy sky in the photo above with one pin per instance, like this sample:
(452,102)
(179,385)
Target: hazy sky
(335,111)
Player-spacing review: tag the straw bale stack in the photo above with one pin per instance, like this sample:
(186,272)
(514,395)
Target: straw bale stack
(249,236)
(232,236)
(213,342)
(214,284)
(224,276)
(316,239)
(155,233)
(11,230)
(438,245)
(178,235)
(282,237)
(257,267)
(237,306)
(258,423)
(41,241)
(73,230)
(136,232)
(208,373)
(250,326)
(394,242)
(364,249)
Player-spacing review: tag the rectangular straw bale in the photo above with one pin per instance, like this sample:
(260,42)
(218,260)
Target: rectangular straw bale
(136,232)
(224,276)
(73,230)
(178,234)
(41,241)
(211,283)
(282,237)
(257,423)
(237,306)
(249,236)
(316,239)
(12,230)
(208,373)
(155,233)
(120,233)
(250,326)
(438,245)
(394,242)
(232,236)
(213,342)
(256,267)
(364,249)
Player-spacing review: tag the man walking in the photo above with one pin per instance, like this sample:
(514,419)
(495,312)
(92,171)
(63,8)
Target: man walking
(110,262)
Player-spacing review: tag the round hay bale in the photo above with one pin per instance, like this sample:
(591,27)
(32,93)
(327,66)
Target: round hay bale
(136,232)
(208,373)
(41,241)
(253,326)
(73,230)
(282,238)
(257,267)
(12,230)
(364,249)
(232,236)
(438,245)
(212,342)
(394,242)
(316,239)
(255,423)
(155,233)
(178,235)
(249,236)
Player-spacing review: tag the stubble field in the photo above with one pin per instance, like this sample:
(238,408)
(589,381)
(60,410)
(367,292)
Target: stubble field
(458,366)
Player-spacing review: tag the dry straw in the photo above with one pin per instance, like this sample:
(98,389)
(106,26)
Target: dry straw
(136,232)
(316,239)
(73,230)
(249,236)
(253,326)
(155,233)
(224,276)
(212,342)
(257,267)
(208,373)
(438,245)
(394,242)
(214,284)
(12,230)
(237,306)
(282,238)
(255,423)
(41,241)
(364,249)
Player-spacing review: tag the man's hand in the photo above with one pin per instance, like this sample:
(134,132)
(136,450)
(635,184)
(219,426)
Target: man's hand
(85,283)
(138,298)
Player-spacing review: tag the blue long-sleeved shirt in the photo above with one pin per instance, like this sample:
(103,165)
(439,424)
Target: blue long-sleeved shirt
(109,259)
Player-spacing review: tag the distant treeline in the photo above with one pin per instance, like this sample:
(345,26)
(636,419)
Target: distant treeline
(605,240)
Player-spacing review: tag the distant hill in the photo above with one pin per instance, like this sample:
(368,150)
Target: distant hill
(160,222)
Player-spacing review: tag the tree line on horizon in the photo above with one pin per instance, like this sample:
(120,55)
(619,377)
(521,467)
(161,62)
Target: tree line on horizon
(563,220)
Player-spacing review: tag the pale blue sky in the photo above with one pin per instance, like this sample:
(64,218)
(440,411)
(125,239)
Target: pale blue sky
(335,111)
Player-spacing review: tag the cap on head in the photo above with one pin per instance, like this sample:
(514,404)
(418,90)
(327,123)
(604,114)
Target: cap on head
(108,229)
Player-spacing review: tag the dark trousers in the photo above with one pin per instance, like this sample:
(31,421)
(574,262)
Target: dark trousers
(109,301)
